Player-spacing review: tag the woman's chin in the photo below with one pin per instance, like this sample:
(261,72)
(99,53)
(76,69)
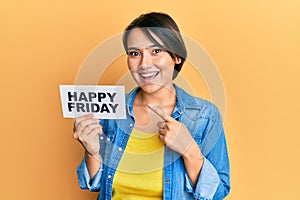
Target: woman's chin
(150,88)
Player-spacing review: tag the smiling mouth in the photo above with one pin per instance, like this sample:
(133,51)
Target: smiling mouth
(148,76)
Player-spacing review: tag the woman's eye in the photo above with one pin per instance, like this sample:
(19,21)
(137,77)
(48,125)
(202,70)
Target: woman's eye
(156,51)
(133,53)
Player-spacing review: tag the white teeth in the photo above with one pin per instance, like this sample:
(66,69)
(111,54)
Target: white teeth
(148,75)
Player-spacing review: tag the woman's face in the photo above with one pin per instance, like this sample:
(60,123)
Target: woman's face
(151,66)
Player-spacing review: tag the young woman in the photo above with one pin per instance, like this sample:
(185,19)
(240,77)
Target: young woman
(171,145)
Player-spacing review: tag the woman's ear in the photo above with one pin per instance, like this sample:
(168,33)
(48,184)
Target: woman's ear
(177,60)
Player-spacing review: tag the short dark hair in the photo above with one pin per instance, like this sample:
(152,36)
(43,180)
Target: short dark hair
(166,29)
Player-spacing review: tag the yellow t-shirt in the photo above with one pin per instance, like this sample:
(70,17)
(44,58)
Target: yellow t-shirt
(140,171)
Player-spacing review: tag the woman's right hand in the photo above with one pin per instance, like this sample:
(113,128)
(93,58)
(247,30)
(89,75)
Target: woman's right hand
(86,131)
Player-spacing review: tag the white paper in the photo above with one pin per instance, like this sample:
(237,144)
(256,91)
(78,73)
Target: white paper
(105,102)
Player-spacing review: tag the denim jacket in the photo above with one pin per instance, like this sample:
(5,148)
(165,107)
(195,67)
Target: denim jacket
(203,121)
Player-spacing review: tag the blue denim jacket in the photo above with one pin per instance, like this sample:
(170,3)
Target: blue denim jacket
(204,123)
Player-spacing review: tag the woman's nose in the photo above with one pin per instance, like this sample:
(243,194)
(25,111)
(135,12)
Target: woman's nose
(146,60)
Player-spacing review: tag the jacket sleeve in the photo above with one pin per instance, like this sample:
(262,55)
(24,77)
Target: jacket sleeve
(85,182)
(214,178)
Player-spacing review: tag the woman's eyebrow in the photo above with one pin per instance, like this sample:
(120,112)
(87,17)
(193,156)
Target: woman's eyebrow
(136,48)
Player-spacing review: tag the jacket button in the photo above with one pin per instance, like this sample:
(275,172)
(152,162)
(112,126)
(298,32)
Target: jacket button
(131,125)
(109,176)
(101,137)
(168,180)
(107,139)
(120,149)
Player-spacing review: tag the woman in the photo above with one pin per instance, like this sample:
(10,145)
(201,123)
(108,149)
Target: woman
(171,145)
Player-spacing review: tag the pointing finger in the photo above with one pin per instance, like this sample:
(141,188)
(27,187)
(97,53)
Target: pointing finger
(159,111)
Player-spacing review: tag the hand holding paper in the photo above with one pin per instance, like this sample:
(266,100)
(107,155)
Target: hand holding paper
(86,131)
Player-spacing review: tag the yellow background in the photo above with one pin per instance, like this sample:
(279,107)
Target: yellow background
(254,43)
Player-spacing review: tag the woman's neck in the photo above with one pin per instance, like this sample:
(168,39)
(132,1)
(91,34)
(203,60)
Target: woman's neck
(147,121)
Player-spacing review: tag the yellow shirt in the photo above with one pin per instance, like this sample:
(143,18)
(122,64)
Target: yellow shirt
(140,171)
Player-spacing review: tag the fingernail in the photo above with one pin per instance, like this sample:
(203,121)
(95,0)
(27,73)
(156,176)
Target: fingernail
(150,105)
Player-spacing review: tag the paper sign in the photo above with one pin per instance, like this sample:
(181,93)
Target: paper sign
(105,102)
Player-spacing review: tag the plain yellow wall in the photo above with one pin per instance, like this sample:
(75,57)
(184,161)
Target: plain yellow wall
(254,43)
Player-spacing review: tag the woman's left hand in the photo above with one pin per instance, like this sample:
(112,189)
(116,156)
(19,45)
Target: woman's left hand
(173,133)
